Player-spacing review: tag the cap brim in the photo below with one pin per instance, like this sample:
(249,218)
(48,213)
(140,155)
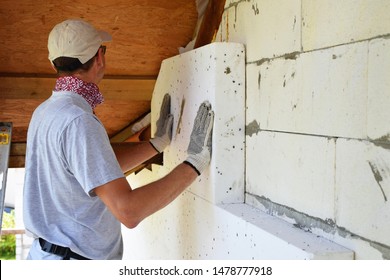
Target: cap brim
(106,37)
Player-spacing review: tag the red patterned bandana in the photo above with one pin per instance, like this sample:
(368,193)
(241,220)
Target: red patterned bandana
(89,91)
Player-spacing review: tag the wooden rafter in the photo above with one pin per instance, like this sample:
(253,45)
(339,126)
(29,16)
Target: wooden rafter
(210,22)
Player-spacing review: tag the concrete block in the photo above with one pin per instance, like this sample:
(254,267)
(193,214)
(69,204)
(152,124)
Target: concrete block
(378,114)
(263,26)
(322,92)
(363,189)
(253,99)
(292,170)
(215,73)
(332,22)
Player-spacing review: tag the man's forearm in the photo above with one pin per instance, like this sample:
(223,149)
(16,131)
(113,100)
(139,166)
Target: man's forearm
(150,198)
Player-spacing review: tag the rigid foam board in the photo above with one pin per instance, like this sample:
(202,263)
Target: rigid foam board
(213,73)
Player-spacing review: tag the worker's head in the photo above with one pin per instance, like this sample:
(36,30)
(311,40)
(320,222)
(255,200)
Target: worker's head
(74,45)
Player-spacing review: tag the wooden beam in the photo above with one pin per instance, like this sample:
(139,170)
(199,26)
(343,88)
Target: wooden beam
(135,89)
(210,22)
(113,88)
(16,161)
(17,155)
(18,149)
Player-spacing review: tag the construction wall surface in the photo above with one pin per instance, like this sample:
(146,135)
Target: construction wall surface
(316,164)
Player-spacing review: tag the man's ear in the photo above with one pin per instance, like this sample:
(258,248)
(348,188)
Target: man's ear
(100,58)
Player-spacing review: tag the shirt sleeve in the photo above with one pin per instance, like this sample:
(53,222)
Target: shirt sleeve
(88,153)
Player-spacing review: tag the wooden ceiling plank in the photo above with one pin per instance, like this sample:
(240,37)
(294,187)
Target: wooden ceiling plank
(144,32)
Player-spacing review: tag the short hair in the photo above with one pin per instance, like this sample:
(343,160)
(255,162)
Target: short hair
(70,65)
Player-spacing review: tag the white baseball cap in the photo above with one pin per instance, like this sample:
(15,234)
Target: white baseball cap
(77,39)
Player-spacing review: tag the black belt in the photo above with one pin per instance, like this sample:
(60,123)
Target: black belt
(64,252)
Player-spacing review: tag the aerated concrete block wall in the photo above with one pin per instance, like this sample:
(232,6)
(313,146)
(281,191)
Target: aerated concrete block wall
(316,158)
(317,118)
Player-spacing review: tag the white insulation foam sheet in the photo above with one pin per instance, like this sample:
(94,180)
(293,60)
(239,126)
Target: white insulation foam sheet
(213,73)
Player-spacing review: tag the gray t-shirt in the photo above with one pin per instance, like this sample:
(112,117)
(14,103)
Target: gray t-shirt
(68,155)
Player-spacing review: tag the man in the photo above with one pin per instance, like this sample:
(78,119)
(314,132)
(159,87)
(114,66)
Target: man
(75,193)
